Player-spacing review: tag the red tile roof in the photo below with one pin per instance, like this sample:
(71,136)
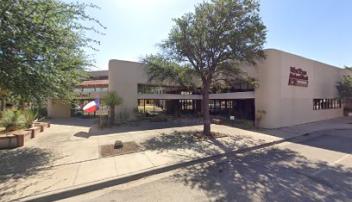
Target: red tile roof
(92,83)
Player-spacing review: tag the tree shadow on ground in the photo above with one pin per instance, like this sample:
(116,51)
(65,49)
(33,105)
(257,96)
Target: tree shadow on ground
(73,121)
(141,125)
(270,174)
(334,140)
(178,140)
(19,164)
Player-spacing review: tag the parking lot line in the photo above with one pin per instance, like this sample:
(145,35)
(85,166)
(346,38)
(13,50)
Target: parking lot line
(341,159)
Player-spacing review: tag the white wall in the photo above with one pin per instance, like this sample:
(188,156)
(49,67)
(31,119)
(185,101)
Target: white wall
(123,78)
(291,105)
(58,109)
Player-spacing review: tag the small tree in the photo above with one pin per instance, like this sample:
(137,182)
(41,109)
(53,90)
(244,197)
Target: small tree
(111,99)
(206,46)
(344,87)
(29,116)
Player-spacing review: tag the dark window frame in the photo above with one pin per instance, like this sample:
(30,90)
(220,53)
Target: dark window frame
(326,103)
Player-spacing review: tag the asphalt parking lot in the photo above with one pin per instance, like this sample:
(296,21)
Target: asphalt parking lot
(317,168)
(331,146)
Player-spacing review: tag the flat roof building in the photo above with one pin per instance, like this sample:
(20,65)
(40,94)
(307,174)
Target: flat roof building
(291,90)
(96,85)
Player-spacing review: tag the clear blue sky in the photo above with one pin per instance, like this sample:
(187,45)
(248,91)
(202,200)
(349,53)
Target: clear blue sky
(317,29)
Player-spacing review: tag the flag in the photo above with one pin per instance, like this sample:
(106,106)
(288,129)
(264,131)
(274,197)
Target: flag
(92,106)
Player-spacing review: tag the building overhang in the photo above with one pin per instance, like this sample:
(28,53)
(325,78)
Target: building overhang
(94,83)
(220,96)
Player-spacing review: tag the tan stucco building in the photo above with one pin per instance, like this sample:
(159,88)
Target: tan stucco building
(291,90)
(96,85)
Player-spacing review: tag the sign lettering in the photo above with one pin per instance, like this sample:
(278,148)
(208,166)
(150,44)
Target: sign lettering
(298,77)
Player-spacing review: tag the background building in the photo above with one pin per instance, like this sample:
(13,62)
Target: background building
(291,90)
(94,87)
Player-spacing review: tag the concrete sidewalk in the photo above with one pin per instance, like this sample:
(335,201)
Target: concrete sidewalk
(81,173)
(287,132)
(160,152)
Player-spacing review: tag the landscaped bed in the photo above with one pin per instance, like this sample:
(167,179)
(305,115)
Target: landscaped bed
(17,138)
(126,148)
(18,126)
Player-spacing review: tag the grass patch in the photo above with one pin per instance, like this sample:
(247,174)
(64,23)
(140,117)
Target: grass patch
(239,123)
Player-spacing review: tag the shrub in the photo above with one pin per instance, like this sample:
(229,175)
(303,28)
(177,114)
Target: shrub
(159,118)
(12,120)
(30,117)
(42,113)
(103,121)
(123,117)
(239,123)
(138,114)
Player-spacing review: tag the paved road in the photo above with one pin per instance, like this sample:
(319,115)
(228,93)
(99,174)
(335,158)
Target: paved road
(319,168)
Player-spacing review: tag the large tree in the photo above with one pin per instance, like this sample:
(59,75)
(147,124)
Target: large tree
(42,45)
(206,46)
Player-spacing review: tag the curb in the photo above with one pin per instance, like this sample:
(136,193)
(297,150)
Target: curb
(92,186)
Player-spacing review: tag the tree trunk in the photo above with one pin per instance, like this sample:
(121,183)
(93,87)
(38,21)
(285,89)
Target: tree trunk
(21,104)
(205,106)
(112,115)
(2,107)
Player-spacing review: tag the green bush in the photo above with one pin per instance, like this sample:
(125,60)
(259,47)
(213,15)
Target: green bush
(12,120)
(159,118)
(240,123)
(123,117)
(42,113)
(139,114)
(30,117)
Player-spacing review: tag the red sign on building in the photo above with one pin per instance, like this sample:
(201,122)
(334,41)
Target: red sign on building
(298,77)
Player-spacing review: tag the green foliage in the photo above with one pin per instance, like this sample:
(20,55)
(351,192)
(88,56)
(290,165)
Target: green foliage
(111,99)
(12,120)
(42,112)
(42,47)
(206,46)
(210,43)
(161,69)
(344,87)
(29,116)
(159,118)
(240,123)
